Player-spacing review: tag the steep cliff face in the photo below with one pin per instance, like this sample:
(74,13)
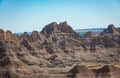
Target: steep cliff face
(56,46)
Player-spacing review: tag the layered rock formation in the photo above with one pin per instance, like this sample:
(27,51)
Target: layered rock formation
(107,71)
(111,29)
(81,71)
(57,46)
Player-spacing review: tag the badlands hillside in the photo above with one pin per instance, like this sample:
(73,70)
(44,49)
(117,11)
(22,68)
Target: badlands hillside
(59,52)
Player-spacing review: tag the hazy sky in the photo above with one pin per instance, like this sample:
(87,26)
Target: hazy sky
(28,15)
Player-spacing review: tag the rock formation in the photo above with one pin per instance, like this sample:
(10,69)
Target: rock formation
(1,34)
(81,71)
(108,71)
(111,30)
(56,47)
(88,34)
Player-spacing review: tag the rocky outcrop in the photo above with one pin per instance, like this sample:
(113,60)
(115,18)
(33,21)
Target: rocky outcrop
(49,29)
(56,29)
(35,36)
(88,34)
(81,71)
(25,36)
(8,35)
(108,71)
(112,30)
(1,34)
(57,46)
(64,27)
(108,38)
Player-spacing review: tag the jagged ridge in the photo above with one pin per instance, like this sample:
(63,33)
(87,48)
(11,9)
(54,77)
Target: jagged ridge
(57,45)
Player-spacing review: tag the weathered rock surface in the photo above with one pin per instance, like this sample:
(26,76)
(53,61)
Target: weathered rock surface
(57,46)
(111,29)
(107,71)
(81,71)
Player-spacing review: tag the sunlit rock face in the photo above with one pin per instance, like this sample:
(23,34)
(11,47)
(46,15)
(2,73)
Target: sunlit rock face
(56,51)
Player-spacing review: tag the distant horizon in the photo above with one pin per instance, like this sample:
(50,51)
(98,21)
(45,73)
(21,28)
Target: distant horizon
(29,15)
(59,23)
